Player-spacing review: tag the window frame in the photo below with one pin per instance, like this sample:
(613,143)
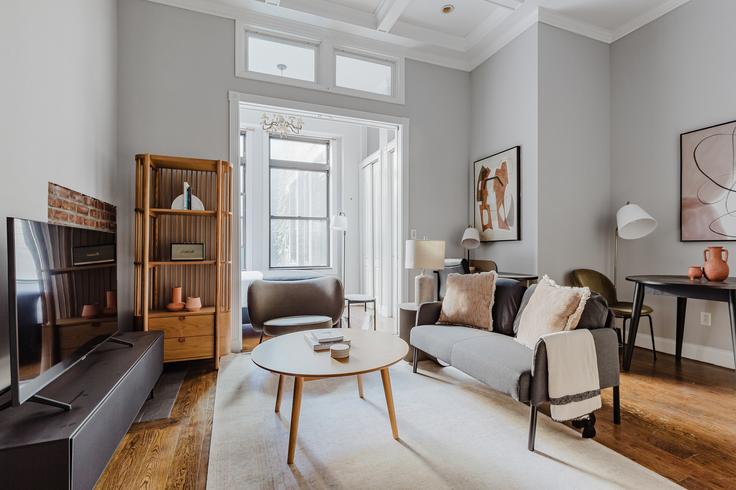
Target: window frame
(325,168)
(326,51)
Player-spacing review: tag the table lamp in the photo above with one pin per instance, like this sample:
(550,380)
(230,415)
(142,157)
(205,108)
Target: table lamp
(632,223)
(424,255)
(470,240)
(340,223)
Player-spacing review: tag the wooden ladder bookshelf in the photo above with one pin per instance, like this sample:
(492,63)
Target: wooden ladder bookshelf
(204,334)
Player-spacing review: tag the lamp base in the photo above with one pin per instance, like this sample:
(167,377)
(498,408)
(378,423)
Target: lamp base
(424,288)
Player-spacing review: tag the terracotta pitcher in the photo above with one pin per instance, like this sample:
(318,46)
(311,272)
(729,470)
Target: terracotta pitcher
(716,264)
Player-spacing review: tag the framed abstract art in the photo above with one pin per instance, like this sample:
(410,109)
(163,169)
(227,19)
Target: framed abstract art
(708,184)
(496,196)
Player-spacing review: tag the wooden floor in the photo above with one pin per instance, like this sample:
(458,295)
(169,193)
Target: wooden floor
(676,420)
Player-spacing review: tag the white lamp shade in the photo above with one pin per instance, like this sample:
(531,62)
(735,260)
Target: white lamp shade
(425,254)
(340,222)
(471,238)
(634,223)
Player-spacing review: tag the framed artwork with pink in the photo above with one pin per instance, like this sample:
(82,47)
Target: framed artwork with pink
(496,196)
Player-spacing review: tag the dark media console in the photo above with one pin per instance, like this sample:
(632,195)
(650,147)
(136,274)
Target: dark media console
(46,447)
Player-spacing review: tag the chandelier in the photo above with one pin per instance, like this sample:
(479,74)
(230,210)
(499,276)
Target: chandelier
(281,124)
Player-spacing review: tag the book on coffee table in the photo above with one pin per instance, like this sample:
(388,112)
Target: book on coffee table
(318,346)
(327,337)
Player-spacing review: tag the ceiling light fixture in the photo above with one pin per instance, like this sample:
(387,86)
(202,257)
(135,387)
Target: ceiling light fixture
(448,8)
(281,124)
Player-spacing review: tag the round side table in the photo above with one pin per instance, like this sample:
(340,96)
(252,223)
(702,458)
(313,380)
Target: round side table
(407,321)
(361,299)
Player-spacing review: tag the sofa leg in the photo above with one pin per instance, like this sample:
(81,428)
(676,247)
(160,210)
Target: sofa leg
(616,405)
(532,425)
(414,359)
(587,424)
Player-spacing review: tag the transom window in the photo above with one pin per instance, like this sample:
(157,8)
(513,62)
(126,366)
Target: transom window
(299,185)
(366,74)
(281,57)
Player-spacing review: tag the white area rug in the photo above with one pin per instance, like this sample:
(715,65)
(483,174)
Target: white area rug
(454,433)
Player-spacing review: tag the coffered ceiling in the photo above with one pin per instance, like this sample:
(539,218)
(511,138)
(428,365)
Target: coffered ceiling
(462,38)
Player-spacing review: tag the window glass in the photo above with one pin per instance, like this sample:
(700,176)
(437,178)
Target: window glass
(299,243)
(298,193)
(281,58)
(362,74)
(299,151)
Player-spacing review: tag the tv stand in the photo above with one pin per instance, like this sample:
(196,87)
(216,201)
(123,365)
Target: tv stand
(50,402)
(44,447)
(118,340)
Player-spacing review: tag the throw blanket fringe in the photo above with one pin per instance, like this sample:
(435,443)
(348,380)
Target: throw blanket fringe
(572,374)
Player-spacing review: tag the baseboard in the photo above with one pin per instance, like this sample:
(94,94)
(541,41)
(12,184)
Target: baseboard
(711,355)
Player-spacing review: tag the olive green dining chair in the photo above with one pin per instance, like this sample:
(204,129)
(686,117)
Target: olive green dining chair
(599,283)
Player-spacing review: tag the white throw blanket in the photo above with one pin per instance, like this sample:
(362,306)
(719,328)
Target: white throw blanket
(572,374)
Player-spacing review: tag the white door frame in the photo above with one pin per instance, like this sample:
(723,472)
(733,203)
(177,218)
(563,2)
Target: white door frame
(401,124)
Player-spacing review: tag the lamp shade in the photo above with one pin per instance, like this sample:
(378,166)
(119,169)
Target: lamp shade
(425,254)
(471,238)
(340,222)
(633,222)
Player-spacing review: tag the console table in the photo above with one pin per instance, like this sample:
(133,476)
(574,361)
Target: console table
(683,288)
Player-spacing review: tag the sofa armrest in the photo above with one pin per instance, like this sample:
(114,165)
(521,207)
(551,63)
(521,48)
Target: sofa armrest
(606,349)
(429,313)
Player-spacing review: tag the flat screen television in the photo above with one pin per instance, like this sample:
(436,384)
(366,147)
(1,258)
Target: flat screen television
(62,284)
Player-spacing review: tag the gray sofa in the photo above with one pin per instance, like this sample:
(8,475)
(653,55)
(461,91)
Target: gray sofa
(507,366)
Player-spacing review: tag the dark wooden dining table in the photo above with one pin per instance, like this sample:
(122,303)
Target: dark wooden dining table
(682,288)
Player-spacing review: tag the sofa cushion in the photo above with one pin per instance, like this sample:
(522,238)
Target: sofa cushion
(469,300)
(595,314)
(498,361)
(438,340)
(506,304)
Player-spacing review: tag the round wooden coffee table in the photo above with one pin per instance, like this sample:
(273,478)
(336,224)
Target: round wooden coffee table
(290,355)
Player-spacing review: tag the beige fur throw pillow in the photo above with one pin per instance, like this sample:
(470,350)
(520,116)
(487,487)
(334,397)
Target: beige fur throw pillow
(552,308)
(469,300)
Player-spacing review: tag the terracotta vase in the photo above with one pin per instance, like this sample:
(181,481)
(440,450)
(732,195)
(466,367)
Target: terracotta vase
(90,311)
(694,272)
(111,303)
(176,300)
(716,264)
(193,304)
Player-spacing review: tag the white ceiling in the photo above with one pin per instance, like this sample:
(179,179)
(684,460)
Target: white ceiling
(418,29)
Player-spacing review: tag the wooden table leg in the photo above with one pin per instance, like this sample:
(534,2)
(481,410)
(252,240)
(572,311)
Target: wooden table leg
(278,393)
(680,327)
(360,385)
(295,409)
(386,378)
(634,325)
(732,316)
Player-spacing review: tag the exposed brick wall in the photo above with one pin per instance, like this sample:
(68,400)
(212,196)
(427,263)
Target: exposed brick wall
(68,207)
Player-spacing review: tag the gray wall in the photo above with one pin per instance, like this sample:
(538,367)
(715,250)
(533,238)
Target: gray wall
(57,122)
(671,76)
(176,68)
(503,114)
(575,227)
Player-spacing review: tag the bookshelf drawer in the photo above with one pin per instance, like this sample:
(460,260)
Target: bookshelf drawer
(181,348)
(177,326)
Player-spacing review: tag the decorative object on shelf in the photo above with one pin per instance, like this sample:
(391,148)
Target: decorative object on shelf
(187,201)
(159,178)
(111,303)
(470,239)
(176,300)
(187,251)
(90,311)
(716,265)
(632,223)
(424,255)
(93,254)
(281,124)
(695,272)
(707,181)
(340,223)
(496,191)
(193,303)
(340,351)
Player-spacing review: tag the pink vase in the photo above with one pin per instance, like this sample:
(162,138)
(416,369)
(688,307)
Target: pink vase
(111,303)
(716,264)
(176,303)
(193,304)
(89,311)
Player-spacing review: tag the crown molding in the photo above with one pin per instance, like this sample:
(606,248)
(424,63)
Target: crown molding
(649,16)
(498,42)
(591,31)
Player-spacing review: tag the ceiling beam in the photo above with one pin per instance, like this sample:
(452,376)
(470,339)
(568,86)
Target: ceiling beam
(509,4)
(389,12)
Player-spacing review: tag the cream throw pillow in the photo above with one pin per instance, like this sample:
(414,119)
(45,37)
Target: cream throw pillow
(469,300)
(552,308)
